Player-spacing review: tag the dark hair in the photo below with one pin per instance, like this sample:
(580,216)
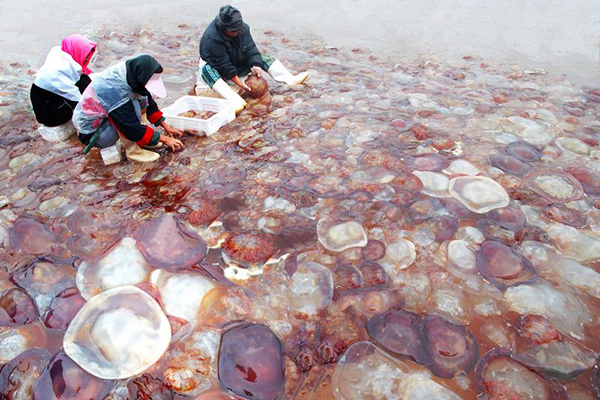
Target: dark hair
(229,19)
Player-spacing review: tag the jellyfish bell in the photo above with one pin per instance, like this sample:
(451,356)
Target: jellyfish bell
(258,85)
(166,243)
(498,374)
(452,348)
(251,362)
(504,266)
(118,333)
(399,332)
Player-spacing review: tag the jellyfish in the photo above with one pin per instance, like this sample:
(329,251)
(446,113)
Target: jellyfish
(251,362)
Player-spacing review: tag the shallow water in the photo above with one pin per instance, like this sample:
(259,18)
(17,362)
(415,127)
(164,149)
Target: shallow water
(313,222)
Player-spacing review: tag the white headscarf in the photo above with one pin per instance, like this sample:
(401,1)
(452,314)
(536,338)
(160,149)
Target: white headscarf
(59,74)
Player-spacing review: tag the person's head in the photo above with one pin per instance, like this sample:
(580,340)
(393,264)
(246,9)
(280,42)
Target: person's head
(229,21)
(144,75)
(81,49)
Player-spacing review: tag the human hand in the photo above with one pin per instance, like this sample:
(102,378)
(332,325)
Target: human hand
(172,143)
(236,79)
(256,71)
(173,132)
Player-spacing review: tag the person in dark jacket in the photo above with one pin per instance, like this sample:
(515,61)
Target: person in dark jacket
(227,51)
(61,80)
(112,105)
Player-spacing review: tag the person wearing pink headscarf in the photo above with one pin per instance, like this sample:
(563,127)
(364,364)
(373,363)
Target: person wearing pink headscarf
(61,80)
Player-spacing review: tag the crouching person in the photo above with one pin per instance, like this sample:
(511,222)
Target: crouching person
(60,81)
(227,52)
(111,109)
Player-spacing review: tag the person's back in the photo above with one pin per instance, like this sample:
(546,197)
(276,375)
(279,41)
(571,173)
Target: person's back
(61,80)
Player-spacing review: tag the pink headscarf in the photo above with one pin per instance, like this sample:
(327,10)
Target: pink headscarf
(78,47)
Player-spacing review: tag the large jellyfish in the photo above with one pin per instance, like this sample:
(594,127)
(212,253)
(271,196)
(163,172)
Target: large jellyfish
(62,379)
(452,348)
(43,280)
(251,362)
(399,332)
(123,265)
(479,194)
(30,236)
(498,375)
(63,308)
(118,333)
(247,248)
(18,376)
(166,243)
(554,184)
(504,266)
(16,308)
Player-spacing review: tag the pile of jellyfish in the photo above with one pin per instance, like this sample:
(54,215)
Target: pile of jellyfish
(415,230)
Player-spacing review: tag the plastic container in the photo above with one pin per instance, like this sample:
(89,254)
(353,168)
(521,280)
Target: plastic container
(225,113)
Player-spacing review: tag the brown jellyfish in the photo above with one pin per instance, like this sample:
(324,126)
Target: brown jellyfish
(503,266)
(373,275)
(510,218)
(523,151)
(63,379)
(499,376)
(248,247)
(324,186)
(554,184)
(509,164)
(30,236)
(374,250)
(304,356)
(399,332)
(452,348)
(42,280)
(532,233)
(258,85)
(346,277)
(166,243)
(16,308)
(251,362)
(494,231)
(444,227)
(566,215)
(590,180)
(146,387)
(426,162)
(425,209)
(205,212)
(18,376)
(455,208)
(63,308)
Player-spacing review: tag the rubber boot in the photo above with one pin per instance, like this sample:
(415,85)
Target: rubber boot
(281,74)
(227,93)
(135,153)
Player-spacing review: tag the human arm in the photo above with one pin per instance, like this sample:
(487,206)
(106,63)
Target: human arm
(236,79)
(83,83)
(129,125)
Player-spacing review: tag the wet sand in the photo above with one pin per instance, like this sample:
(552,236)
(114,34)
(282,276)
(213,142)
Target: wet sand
(563,38)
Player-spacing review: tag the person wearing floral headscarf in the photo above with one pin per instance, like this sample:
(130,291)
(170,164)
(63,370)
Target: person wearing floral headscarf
(61,80)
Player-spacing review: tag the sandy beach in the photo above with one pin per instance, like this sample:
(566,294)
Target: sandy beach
(563,38)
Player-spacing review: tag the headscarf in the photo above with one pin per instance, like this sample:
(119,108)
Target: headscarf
(229,19)
(78,47)
(139,71)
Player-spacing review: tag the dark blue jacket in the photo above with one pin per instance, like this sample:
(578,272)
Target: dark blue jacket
(229,56)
